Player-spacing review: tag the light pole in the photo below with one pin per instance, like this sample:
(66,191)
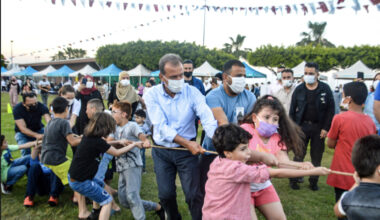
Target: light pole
(204,23)
(11,51)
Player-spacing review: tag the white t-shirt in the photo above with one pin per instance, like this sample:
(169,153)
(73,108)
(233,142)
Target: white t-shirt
(75,109)
(42,83)
(76,86)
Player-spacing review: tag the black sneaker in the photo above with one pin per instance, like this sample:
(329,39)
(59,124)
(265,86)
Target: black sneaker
(294,185)
(94,214)
(161,213)
(314,187)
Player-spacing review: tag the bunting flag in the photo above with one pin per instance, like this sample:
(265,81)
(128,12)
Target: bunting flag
(366,8)
(312,7)
(375,2)
(323,7)
(91,3)
(74,2)
(288,9)
(304,9)
(332,8)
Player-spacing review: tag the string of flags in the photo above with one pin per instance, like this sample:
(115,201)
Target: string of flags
(327,6)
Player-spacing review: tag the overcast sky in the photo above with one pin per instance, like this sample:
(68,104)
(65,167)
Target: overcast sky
(39,25)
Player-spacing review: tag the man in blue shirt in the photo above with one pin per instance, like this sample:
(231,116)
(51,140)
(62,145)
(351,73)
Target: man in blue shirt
(229,103)
(188,67)
(172,108)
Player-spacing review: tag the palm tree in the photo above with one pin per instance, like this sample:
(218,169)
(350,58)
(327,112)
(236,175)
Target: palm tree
(69,53)
(235,45)
(315,36)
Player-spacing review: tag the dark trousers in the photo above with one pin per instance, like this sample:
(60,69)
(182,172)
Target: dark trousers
(166,165)
(317,147)
(338,194)
(42,183)
(204,167)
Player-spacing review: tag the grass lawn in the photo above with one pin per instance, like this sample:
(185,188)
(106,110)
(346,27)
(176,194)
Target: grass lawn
(300,204)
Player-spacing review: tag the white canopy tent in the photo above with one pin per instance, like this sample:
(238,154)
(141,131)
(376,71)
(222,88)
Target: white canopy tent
(352,71)
(86,70)
(140,70)
(299,69)
(45,71)
(10,72)
(205,70)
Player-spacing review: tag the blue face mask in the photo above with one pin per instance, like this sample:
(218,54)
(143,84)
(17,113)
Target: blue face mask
(309,79)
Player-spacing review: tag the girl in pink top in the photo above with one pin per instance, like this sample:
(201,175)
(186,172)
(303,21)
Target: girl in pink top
(272,131)
(228,185)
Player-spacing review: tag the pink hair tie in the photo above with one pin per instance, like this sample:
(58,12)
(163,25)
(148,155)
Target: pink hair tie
(270,97)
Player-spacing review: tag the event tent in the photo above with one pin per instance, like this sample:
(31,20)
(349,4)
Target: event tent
(252,73)
(351,72)
(111,70)
(86,70)
(299,70)
(205,70)
(26,72)
(45,71)
(61,72)
(139,70)
(11,71)
(155,73)
(3,70)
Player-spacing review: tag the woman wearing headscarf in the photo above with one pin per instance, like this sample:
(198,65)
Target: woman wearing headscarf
(124,91)
(14,90)
(86,91)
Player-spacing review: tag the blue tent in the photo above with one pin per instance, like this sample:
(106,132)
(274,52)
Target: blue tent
(155,73)
(252,73)
(111,70)
(3,69)
(26,72)
(61,72)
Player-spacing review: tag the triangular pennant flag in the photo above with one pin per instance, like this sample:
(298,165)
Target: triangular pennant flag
(162,8)
(378,7)
(140,6)
(118,6)
(83,3)
(312,7)
(375,2)
(295,8)
(273,8)
(9,109)
(147,7)
(168,6)
(288,9)
(366,8)
(208,8)
(266,9)
(304,9)
(323,7)
(74,2)
(133,5)
(91,3)
(63,2)
(155,8)
(180,7)
(257,11)
(101,3)
(242,8)
(340,1)
(125,5)
(215,8)
(174,6)
(280,7)
(356,6)
(109,3)
(332,7)
(53,2)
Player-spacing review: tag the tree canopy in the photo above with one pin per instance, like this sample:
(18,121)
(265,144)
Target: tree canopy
(128,55)
(69,53)
(235,46)
(326,58)
(315,36)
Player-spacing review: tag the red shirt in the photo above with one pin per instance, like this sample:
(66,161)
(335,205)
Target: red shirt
(347,128)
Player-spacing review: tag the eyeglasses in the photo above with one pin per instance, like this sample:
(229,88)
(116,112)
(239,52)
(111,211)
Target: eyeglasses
(114,112)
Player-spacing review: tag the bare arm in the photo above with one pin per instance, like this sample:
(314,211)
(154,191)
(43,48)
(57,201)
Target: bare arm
(73,120)
(289,173)
(145,140)
(20,123)
(142,102)
(220,116)
(268,159)
(73,139)
(47,117)
(284,162)
(28,145)
(331,143)
(117,152)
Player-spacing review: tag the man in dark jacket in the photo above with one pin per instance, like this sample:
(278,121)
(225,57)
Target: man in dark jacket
(312,108)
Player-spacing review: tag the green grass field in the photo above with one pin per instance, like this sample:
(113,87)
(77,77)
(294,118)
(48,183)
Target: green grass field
(301,204)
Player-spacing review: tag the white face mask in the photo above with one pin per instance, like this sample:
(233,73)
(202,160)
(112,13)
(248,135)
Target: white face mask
(309,79)
(175,86)
(220,82)
(344,105)
(125,82)
(287,83)
(71,101)
(89,85)
(237,85)
(375,83)
(279,75)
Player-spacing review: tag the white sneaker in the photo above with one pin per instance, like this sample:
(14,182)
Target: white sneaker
(4,190)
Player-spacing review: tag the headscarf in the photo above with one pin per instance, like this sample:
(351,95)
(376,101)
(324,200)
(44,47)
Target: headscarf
(126,93)
(87,91)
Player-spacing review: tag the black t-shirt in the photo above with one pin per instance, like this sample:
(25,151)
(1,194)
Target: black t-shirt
(32,118)
(86,159)
(311,112)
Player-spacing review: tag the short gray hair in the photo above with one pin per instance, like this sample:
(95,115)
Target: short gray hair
(171,58)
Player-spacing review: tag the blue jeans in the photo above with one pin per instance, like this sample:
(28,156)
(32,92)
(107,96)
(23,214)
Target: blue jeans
(103,166)
(22,139)
(42,183)
(129,193)
(93,189)
(17,170)
(142,151)
(166,165)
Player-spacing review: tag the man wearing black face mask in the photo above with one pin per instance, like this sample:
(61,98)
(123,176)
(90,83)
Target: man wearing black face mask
(188,68)
(27,116)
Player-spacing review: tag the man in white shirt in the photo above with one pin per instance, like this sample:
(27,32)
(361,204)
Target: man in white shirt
(44,86)
(285,93)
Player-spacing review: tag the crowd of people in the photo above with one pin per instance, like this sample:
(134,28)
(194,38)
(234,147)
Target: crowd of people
(246,133)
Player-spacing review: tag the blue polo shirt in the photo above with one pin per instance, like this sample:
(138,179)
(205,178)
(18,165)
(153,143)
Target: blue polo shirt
(197,83)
